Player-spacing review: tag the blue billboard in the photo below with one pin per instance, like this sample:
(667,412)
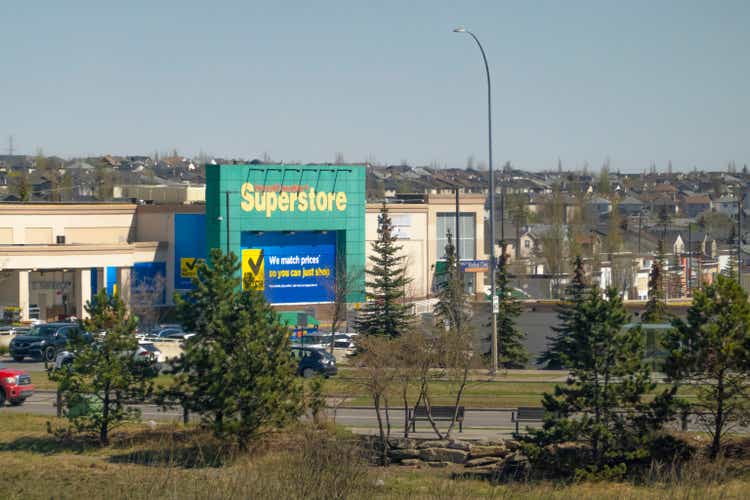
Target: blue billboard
(189,248)
(291,267)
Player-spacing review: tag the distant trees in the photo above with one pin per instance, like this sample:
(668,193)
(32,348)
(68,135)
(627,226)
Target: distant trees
(511,351)
(655,310)
(570,320)
(710,351)
(19,185)
(452,306)
(385,312)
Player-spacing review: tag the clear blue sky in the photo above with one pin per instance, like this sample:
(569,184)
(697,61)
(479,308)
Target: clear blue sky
(635,81)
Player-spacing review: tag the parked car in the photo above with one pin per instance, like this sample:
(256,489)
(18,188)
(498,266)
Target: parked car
(313,340)
(146,352)
(42,342)
(15,386)
(344,340)
(14,330)
(314,361)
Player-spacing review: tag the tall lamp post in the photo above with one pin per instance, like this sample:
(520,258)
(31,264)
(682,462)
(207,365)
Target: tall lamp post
(494,298)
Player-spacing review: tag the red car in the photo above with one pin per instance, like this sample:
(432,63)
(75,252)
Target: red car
(15,386)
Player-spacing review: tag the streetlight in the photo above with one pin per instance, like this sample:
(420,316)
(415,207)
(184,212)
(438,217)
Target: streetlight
(495,302)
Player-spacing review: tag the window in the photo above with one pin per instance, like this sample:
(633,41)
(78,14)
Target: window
(527,243)
(447,222)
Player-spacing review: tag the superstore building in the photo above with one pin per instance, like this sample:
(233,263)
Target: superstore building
(296,228)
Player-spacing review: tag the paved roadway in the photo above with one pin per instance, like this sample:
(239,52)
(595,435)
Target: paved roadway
(478,424)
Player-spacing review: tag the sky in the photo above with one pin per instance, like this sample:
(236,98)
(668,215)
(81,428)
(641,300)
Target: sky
(635,83)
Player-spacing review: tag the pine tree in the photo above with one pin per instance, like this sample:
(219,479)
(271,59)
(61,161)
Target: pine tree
(452,305)
(568,317)
(385,312)
(511,351)
(710,351)
(655,310)
(105,372)
(601,406)
(237,371)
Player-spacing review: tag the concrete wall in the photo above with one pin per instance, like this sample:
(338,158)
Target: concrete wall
(29,224)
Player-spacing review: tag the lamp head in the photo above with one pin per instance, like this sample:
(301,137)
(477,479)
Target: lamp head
(459,29)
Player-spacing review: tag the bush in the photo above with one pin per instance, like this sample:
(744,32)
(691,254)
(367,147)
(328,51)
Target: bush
(3,350)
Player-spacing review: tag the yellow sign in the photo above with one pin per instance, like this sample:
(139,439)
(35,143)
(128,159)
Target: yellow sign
(189,267)
(253,269)
(269,199)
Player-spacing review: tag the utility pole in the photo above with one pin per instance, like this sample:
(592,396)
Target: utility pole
(10,145)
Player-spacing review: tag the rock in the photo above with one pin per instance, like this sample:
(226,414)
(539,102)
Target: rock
(443,455)
(403,454)
(402,443)
(459,445)
(379,483)
(438,464)
(442,443)
(411,462)
(482,462)
(488,451)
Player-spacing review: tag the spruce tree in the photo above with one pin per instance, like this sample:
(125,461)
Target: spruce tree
(511,351)
(236,372)
(569,318)
(105,372)
(385,312)
(452,307)
(655,310)
(601,406)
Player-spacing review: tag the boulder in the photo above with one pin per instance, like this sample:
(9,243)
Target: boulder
(411,462)
(455,444)
(402,443)
(403,454)
(482,462)
(443,455)
(488,451)
(441,443)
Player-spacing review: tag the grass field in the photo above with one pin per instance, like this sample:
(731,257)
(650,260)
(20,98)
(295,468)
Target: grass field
(175,463)
(502,391)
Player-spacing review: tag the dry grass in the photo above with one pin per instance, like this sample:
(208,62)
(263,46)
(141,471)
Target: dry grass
(173,462)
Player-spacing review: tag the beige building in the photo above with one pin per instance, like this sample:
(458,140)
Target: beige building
(421,224)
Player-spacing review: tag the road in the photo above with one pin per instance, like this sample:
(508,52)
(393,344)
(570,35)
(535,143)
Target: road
(478,424)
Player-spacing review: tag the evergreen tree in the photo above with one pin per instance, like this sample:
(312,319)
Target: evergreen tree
(105,372)
(710,351)
(511,351)
(601,405)
(385,312)
(568,314)
(452,307)
(655,310)
(237,371)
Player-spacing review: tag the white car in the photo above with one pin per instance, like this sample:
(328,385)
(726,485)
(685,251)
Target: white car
(146,351)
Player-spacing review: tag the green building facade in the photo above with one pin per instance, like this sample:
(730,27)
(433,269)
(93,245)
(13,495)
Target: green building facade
(295,227)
